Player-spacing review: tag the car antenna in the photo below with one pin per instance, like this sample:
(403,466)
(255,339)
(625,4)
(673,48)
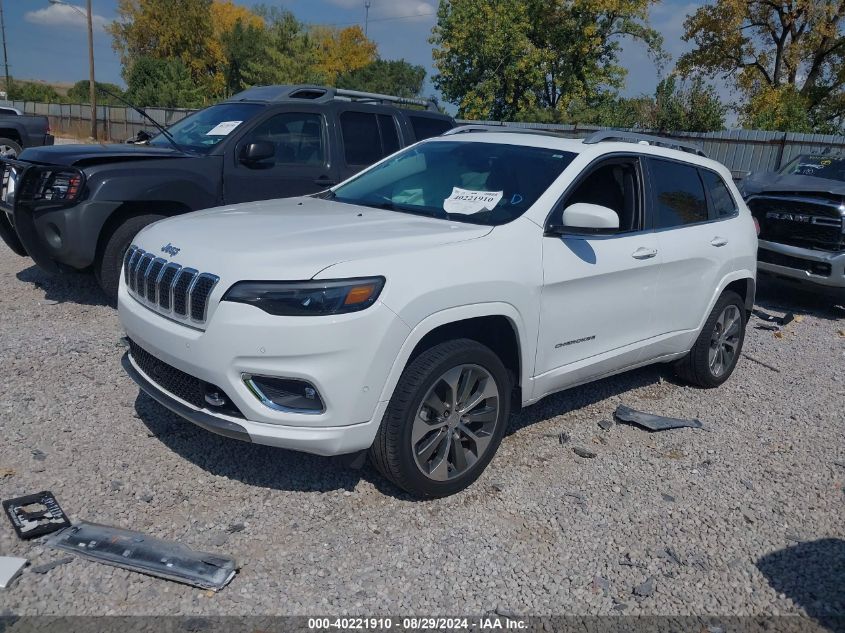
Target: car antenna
(140,111)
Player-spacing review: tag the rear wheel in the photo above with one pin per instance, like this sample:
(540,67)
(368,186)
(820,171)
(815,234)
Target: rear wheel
(445,420)
(110,256)
(713,358)
(9,148)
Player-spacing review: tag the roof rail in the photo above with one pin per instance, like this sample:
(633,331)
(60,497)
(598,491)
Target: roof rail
(501,129)
(646,139)
(322,94)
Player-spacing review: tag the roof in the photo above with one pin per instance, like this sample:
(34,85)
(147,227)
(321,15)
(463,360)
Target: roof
(323,94)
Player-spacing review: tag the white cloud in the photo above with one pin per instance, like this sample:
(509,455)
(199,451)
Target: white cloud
(389,8)
(63,15)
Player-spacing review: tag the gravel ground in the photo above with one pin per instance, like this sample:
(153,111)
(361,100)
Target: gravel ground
(742,518)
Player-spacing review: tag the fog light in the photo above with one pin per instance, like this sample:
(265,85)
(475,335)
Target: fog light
(285,394)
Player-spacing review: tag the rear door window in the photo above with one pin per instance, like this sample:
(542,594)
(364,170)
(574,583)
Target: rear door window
(677,193)
(389,135)
(426,127)
(361,138)
(722,204)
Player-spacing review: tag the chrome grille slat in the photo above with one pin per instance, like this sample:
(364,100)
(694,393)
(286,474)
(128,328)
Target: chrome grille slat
(166,287)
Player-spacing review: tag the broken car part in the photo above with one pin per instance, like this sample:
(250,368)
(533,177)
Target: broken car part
(146,554)
(35,515)
(10,567)
(653,422)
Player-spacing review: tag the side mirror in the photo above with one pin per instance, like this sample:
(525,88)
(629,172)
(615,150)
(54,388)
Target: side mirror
(593,219)
(257,151)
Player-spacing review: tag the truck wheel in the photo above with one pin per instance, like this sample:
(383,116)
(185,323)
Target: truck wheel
(445,420)
(713,358)
(107,266)
(9,148)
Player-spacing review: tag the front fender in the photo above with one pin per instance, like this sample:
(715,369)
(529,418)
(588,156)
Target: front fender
(453,315)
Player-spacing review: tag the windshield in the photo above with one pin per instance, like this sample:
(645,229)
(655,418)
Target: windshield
(818,165)
(201,131)
(479,183)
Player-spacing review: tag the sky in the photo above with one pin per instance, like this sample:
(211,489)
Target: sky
(49,42)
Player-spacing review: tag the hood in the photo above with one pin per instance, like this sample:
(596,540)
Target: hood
(295,238)
(81,155)
(773,182)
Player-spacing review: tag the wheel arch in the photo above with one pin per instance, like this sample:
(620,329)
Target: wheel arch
(12,134)
(128,210)
(496,325)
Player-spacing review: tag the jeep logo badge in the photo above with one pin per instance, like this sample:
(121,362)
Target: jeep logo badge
(170,250)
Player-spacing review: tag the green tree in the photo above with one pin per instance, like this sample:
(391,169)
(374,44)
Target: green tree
(780,56)
(163,83)
(33,91)
(393,77)
(288,53)
(79,92)
(165,30)
(499,58)
(243,48)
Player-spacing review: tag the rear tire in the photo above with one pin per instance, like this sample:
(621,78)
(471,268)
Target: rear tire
(109,262)
(454,400)
(714,356)
(9,148)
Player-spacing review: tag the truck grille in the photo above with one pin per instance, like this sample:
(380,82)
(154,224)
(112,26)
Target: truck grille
(805,222)
(166,287)
(190,389)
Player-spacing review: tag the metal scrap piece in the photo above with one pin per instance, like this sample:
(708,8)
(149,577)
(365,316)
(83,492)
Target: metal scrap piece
(146,554)
(10,567)
(653,422)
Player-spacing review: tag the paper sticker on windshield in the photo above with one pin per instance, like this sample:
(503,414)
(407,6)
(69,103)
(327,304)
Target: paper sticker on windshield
(223,128)
(467,202)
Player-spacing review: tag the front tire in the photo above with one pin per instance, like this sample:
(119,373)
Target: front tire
(445,420)
(714,356)
(109,262)
(9,148)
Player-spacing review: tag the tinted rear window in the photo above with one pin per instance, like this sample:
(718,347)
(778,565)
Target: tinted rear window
(678,194)
(720,197)
(426,127)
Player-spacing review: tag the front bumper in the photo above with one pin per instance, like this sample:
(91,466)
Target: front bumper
(63,237)
(811,267)
(346,357)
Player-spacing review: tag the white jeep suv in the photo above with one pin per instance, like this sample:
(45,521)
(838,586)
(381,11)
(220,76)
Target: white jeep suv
(405,311)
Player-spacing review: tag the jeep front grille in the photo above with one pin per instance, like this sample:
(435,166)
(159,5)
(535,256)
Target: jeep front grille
(166,287)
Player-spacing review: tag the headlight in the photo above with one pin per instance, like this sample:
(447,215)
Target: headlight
(308,298)
(57,185)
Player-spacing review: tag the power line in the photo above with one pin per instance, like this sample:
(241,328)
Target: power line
(396,17)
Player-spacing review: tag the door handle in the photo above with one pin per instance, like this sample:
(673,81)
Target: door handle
(644,253)
(718,241)
(325,181)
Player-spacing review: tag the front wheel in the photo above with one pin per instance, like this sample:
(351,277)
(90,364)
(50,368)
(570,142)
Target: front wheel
(9,148)
(110,254)
(445,420)
(714,356)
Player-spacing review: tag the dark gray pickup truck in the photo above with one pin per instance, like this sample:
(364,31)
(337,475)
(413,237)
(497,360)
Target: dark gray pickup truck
(78,207)
(19,131)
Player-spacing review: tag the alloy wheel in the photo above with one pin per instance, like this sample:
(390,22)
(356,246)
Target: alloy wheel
(7,151)
(455,422)
(724,340)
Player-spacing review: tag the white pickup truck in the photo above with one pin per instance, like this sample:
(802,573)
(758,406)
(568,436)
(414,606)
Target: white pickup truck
(406,311)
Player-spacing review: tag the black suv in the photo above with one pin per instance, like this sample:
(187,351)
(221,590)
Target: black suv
(78,207)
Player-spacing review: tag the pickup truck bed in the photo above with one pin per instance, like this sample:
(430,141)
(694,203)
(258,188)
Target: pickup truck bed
(19,132)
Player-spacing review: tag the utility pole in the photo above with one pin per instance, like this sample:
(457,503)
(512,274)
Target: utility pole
(92,90)
(5,56)
(367,4)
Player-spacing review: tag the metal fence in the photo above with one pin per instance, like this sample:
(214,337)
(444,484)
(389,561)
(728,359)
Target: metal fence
(743,151)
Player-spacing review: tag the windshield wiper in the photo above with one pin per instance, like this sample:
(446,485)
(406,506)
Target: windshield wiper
(392,206)
(159,127)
